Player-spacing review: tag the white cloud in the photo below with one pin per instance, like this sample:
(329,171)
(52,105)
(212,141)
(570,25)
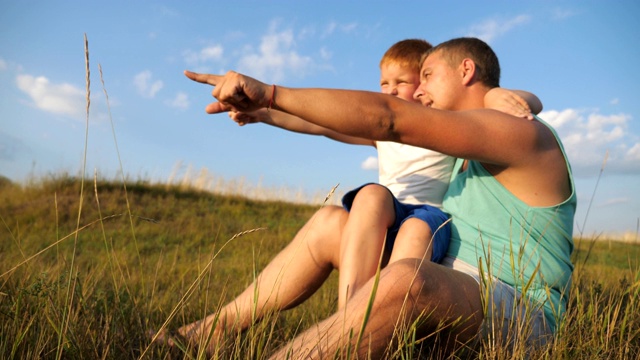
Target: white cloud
(3,65)
(169,12)
(333,26)
(145,85)
(211,53)
(329,29)
(589,136)
(615,201)
(275,57)
(634,152)
(325,53)
(204,55)
(370,163)
(615,101)
(306,32)
(349,27)
(492,28)
(561,14)
(180,101)
(63,98)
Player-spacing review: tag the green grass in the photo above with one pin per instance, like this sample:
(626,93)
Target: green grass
(119,294)
(130,273)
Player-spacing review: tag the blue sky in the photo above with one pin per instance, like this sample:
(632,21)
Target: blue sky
(579,57)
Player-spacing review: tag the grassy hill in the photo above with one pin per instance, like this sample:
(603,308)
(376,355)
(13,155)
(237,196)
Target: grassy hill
(147,251)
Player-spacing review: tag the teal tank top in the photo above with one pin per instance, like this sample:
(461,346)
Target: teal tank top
(497,232)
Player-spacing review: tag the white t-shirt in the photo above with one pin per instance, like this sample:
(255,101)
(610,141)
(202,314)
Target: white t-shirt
(414,175)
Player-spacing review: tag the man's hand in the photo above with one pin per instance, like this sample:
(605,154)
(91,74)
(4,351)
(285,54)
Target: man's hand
(234,92)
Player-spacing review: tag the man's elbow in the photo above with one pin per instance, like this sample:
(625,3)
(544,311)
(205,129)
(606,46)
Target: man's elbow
(388,126)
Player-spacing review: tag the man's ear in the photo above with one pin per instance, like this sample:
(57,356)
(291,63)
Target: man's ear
(468,71)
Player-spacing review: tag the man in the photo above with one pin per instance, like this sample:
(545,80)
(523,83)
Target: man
(512,203)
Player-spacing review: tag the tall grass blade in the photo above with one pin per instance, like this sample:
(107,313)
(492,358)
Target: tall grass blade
(70,296)
(124,184)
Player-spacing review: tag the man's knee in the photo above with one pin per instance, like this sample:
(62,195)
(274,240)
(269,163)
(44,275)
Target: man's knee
(330,218)
(324,230)
(408,277)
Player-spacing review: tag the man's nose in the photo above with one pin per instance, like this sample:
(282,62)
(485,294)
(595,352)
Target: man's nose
(418,93)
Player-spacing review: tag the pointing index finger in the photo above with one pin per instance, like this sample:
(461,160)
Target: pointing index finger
(203,78)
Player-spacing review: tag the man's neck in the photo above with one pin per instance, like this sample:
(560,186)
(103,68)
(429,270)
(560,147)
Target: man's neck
(473,98)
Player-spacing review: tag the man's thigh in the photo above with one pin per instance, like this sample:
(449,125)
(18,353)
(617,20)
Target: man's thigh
(445,300)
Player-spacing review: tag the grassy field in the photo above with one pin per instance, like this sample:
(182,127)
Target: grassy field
(155,252)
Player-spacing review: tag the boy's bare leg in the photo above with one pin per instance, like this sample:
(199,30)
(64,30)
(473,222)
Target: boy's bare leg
(407,289)
(289,279)
(413,241)
(371,214)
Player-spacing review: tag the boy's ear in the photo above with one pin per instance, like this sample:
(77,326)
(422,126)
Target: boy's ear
(467,71)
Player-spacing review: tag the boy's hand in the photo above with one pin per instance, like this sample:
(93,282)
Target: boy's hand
(244,118)
(508,102)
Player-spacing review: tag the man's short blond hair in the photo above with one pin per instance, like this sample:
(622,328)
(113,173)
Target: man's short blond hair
(456,50)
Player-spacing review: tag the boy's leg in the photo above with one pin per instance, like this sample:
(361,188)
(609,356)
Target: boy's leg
(371,214)
(288,280)
(413,241)
(424,234)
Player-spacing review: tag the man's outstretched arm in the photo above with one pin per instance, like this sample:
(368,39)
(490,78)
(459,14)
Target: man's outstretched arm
(483,135)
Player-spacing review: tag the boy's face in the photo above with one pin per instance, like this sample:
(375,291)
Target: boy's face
(398,81)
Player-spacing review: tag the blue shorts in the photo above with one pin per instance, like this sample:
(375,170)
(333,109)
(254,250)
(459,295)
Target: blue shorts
(433,216)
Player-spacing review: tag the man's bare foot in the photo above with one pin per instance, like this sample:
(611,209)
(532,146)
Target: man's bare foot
(194,336)
(172,341)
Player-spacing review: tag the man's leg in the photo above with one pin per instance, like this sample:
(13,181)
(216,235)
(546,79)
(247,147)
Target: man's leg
(409,289)
(288,280)
(371,214)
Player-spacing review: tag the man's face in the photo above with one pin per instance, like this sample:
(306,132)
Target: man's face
(439,83)
(398,81)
